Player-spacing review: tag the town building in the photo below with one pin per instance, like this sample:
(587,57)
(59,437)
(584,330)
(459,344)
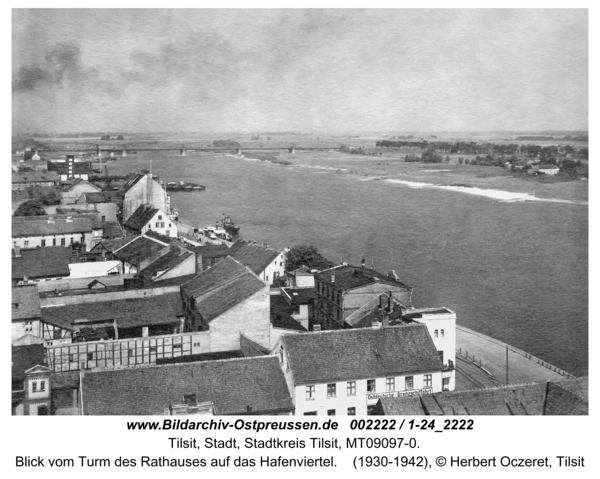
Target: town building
(175,263)
(245,386)
(344,289)
(300,302)
(74,190)
(207,255)
(301,278)
(31,384)
(346,372)
(546,169)
(22,180)
(228,300)
(142,190)
(26,312)
(58,230)
(146,218)
(139,252)
(265,262)
(552,398)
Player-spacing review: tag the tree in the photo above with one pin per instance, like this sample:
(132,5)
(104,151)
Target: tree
(105,137)
(45,195)
(120,137)
(305,255)
(30,208)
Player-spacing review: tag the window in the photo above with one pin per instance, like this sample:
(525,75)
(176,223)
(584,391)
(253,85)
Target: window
(162,224)
(370,385)
(311,413)
(26,243)
(34,387)
(310,393)
(72,240)
(63,242)
(331,390)
(28,327)
(43,242)
(189,399)
(351,388)
(157,224)
(266,278)
(427,381)
(435,333)
(53,241)
(43,386)
(169,225)
(160,217)
(409,382)
(90,356)
(442,332)
(351,411)
(445,384)
(390,384)
(441,355)
(103,219)
(42,411)
(331,412)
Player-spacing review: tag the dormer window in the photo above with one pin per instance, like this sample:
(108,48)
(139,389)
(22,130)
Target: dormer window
(190,399)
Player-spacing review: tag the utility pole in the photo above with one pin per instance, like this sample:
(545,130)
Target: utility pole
(507,364)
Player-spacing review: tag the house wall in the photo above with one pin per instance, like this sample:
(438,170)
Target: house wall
(126,352)
(273,270)
(250,317)
(29,242)
(138,195)
(81,283)
(161,223)
(108,210)
(188,266)
(305,281)
(321,403)
(93,270)
(21,328)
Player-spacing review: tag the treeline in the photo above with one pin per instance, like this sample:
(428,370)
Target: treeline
(226,144)
(472,148)
(83,134)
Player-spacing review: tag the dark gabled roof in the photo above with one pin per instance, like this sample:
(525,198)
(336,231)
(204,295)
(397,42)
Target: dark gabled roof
(111,230)
(159,237)
(251,347)
(234,386)
(25,302)
(535,399)
(97,197)
(221,287)
(280,315)
(43,225)
(35,176)
(131,183)
(139,249)
(195,358)
(354,354)
(166,262)
(23,359)
(128,313)
(350,277)
(211,250)
(49,262)
(256,257)
(176,303)
(110,245)
(141,217)
(78,181)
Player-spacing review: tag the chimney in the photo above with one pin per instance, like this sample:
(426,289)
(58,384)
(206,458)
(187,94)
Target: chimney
(17,251)
(333,278)
(316,327)
(376,324)
(389,307)
(362,263)
(386,320)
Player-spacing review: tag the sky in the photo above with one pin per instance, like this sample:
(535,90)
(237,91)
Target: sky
(299,70)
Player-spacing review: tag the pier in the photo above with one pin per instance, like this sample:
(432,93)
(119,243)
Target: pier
(481,362)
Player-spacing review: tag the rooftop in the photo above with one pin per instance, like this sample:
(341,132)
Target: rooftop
(221,287)
(534,399)
(35,177)
(341,355)
(50,225)
(127,313)
(139,249)
(25,302)
(141,217)
(255,257)
(49,262)
(23,359)
(281,317)
(299,296)
(349,277)
(166,262)
(234,386)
